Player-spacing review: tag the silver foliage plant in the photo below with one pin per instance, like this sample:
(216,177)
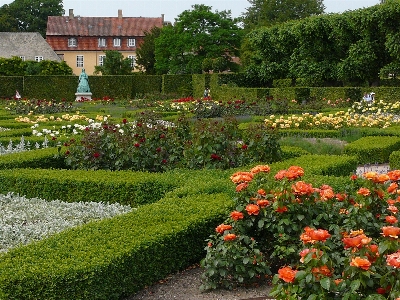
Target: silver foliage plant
(24,220)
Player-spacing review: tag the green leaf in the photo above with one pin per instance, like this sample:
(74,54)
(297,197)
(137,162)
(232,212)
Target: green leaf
(325,283)
(355,285)
(260,223)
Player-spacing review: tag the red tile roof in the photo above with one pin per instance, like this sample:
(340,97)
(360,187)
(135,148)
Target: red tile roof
(100,26)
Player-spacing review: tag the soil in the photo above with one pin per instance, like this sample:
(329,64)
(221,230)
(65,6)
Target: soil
(185,285)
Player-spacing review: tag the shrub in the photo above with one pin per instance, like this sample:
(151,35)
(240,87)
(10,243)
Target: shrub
(322,244)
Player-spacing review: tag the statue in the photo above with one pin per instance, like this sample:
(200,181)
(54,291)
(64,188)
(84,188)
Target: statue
(83,83)
(83,91)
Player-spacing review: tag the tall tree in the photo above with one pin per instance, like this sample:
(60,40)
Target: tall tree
(271,12)
(197,34)
(145,57)
(29,15)
(114,64)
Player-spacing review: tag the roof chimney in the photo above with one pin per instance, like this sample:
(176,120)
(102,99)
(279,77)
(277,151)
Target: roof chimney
(71,13)
(119,13)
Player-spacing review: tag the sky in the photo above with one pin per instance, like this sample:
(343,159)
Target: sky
(171,9)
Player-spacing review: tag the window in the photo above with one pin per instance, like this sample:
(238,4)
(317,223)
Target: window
(72,42)
(38,58)
(131,42)
(79,61)
(102,42)
(133,59)
(101,59)
(117,42)
(22,57)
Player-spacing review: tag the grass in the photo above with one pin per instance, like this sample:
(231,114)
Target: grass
(315,146)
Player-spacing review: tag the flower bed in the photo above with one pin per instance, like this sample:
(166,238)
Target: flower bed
(323,244)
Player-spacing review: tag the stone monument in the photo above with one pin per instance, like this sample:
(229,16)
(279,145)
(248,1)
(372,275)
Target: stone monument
(83,90)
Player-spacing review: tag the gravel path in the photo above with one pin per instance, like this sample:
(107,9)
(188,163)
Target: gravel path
(185,286)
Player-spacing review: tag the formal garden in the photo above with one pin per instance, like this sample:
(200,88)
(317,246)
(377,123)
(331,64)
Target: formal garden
(102,198)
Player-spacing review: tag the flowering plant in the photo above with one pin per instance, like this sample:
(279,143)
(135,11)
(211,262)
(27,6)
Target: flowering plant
(37,106)
(322,244)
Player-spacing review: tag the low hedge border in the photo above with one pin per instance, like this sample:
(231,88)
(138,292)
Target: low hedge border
(38,158)
(113,258)
(373,149)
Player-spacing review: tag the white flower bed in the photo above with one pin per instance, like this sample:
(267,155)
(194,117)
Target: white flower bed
(24,220)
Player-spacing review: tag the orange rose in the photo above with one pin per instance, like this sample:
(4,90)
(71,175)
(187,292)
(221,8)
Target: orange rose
(381,178)
(361,263)
(340,197)
(373,253)
(393,209)
(391,219)
(313,235)
(230,237)
(379,193)
(221,228)
(392,188)
(314,252)
(324,270)
(241,186)
(370,175)
(393,260)
(356,241)
(287,274)
(326,194)
(237,215)
(364,191)
(302,188)
(261,192)
(252,209)
(240,177)
(394,175)
(297,170)
(280,175)
(338,281)
(281,209)
(262,203)
(391,231)
(260,168)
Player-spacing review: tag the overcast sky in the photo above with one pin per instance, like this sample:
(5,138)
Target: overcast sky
(172,8)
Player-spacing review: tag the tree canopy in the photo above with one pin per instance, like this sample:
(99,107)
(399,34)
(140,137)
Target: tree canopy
(114,64)
(353,48)
(145,57)
(15,66)
(271,12)
(197,34)
(29,15)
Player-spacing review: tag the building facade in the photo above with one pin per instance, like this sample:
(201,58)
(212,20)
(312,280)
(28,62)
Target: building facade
(81,41)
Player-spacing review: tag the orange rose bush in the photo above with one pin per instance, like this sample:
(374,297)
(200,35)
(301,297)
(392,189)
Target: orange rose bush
(319,243)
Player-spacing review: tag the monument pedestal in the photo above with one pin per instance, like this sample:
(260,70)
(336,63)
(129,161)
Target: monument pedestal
(83,96)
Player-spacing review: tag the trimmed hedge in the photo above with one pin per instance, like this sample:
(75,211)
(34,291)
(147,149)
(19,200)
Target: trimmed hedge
(40,158)
(10,84)
(126,188)
(114,258)
(373,149)
(394,160)
(111,259)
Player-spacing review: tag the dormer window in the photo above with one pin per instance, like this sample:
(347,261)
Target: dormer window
(117,42)
(72,42)
(131,42)
(102,42)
